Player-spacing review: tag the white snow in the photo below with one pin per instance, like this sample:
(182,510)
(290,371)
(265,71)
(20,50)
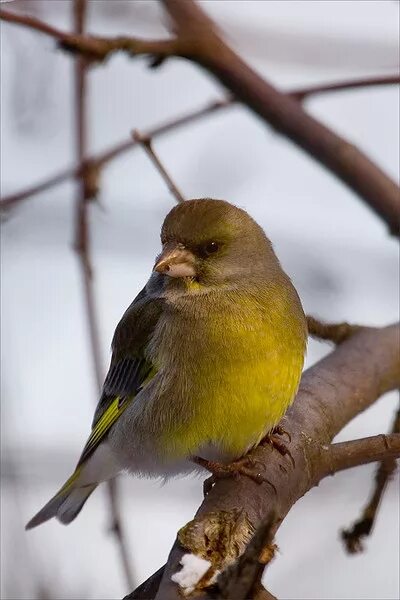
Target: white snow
(193,569)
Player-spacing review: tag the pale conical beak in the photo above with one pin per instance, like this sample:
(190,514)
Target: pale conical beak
(176,261)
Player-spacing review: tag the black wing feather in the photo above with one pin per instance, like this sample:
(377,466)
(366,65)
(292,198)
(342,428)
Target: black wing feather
(129,366)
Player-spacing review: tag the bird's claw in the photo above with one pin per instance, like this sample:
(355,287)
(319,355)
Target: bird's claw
(272,438)
(243,466)
(279,430)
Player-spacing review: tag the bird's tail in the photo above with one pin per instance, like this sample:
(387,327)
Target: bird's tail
(66,504)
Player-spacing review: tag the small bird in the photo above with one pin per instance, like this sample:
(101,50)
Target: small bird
(205,361)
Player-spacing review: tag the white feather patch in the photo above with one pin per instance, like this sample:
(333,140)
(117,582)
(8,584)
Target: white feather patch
(193,569)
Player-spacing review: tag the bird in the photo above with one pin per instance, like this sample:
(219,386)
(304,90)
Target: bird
(205,361)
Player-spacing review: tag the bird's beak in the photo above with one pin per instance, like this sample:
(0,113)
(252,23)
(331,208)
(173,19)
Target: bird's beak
(176,261)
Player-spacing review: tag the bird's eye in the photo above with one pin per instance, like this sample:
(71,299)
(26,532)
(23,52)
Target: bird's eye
(211,247)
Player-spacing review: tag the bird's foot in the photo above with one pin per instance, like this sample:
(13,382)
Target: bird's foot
(273,439)
(243,466)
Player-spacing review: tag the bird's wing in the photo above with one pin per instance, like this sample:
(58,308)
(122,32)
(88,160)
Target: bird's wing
(130,369)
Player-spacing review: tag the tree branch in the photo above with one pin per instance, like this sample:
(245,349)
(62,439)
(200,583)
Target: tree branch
(102,159)
(242,580)
(331,393)
(146,142)
(363,526)
(333,332)
(284,114)
(95,48)
(198,40)
(341,86)
(97,162)
(346,455)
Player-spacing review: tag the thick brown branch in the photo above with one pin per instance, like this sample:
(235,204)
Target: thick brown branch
(146,142)
(284,114)
(331,393)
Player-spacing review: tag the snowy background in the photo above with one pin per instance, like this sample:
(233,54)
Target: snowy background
(339,255)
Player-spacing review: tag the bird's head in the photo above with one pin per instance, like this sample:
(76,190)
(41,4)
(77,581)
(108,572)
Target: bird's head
(212,243)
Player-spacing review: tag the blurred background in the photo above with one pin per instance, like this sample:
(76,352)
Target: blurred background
(339,255)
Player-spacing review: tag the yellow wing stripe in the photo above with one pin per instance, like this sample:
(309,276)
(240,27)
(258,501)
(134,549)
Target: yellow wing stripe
(103,425)
(108,418)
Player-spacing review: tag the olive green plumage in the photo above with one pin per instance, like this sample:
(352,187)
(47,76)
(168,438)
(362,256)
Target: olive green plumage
(205,360)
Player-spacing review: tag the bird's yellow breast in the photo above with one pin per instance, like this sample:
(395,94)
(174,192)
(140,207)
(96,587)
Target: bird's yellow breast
(236,367)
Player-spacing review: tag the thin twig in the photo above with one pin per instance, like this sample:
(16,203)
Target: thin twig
(100,160)
(87,188)
(103,158)
(353,537)
(146,143)
(95,48)
(341,86)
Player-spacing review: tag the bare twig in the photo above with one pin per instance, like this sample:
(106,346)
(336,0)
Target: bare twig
(346,455)
(95,48)
(100,160)
(333,332)
(146,142)
(87,188)
(118,531)
(353,537)
(341,86)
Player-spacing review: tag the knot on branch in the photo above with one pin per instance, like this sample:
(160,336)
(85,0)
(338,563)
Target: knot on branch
(94,49)
(89,174)
(225,554)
